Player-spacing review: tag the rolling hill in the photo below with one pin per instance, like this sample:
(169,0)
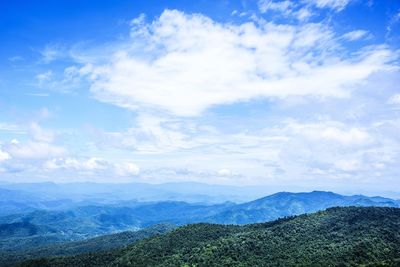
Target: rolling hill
(347,236)
(42,227)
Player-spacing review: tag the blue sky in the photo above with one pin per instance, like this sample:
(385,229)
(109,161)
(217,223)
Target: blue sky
(288,93)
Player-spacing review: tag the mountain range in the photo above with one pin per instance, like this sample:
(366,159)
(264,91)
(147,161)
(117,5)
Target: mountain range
(39,228)
(26,197)
(346,236)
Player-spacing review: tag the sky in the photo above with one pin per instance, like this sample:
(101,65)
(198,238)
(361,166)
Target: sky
(290,93)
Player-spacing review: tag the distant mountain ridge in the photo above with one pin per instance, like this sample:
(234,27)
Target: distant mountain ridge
(39,193)
(44,227)
(25,197)
(287,204)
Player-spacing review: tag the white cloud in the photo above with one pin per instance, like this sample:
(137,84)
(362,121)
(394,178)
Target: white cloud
(151,134)
(33,150)
(38,94)
(44,77)
(91,166)
(301,10)
(40,146)
(355,35)
(75,164)
(303,13)
(288,9)
(60,82)
(282,6)
(336,5)
(348,165)
(14,142)
(4,156)
(185,64)
(41,135)
(352,136)
(126,169)
(332,131)
(50,53)
(394,99)
(11,127)
(225,172)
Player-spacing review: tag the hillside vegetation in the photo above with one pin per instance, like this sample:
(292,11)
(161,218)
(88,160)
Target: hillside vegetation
(97,244)
(350,236)
(40,227)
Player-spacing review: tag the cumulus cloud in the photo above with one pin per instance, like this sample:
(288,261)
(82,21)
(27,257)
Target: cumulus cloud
(126,169)
(33,150)
(332,131)
(40,146)
(92,165)
(185,64)
(150,134)
(4,156)
(75,164)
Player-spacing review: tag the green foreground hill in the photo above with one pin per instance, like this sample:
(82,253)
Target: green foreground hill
(351,236)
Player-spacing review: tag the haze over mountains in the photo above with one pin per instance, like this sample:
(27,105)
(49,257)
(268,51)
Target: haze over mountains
(24,197)
(349,236)
(36,216)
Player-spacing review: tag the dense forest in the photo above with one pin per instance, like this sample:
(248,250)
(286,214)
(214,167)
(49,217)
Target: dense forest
(347,236)
(96,244)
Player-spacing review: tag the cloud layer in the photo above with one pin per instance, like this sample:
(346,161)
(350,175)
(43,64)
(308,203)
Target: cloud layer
(282,95)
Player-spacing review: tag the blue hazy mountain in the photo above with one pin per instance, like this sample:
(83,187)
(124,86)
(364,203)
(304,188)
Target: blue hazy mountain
(26,197)
(19,198)
(41,227)
(287,204)
(21,231)
(185,191)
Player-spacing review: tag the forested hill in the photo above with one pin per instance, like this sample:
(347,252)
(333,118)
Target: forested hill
(348,236)
(96,244)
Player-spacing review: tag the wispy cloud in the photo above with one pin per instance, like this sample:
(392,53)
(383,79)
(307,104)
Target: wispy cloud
(394,99)
(15,58)
(92,166)
(51,52)
(38,94)
(337,5)
(356,35)
(44,77)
